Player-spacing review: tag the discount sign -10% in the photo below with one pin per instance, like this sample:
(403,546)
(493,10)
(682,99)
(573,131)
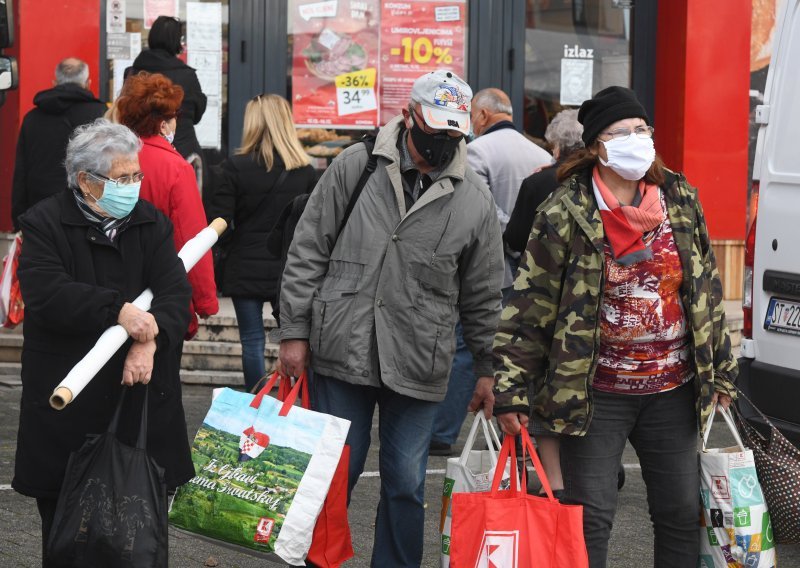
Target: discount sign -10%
(421,50)
(355,92)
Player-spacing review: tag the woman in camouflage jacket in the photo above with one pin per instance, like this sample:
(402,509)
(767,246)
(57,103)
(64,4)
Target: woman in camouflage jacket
(616,329)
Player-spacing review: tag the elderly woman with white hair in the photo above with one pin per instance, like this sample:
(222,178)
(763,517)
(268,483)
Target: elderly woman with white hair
(89,251)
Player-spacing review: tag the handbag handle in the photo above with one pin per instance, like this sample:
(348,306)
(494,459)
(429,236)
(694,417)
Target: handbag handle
(141,440)
(726,414)
(489,434)
(288,397)
(506,452)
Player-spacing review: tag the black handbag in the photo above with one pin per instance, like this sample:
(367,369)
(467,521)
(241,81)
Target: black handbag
(778,468)
(112,509)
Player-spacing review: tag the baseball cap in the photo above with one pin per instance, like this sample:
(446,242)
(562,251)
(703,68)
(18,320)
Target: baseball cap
(445,100)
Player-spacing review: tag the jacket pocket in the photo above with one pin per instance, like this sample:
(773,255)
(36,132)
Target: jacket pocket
(331,326)
(433,348)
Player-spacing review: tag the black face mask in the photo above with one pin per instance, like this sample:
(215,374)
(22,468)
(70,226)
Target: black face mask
(436,149)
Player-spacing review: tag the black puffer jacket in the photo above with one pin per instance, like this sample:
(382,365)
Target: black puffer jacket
(42,144)
(247,196)
(194,101)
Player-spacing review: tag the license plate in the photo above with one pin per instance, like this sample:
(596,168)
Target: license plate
(783,316)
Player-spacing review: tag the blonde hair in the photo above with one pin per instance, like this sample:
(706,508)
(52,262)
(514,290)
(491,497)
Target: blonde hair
(269,128)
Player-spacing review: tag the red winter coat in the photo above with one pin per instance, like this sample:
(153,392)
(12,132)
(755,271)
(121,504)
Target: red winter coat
(170,184)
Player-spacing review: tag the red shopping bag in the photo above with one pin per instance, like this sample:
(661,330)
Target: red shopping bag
(12,308)
(331,544)
(511,529)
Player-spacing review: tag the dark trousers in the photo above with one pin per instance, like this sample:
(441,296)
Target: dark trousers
(663,430)
(404,431)
(47,510)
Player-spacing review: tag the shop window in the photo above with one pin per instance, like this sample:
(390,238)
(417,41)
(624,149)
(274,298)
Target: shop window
(573,48)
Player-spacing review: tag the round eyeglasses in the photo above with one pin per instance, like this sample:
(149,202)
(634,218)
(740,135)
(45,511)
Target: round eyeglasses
(625,133)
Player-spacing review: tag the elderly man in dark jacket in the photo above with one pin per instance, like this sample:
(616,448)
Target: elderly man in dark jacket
(89,251)
(42,143)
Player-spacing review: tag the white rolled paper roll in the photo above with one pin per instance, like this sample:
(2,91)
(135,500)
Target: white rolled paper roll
(115,337)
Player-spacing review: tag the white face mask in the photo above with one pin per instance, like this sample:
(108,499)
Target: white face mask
(170,137)
(630,158)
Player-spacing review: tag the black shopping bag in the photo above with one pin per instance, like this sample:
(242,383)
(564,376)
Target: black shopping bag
(112,509)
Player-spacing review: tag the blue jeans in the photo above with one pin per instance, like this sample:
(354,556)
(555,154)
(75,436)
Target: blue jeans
(249,316)
(404,430)
(663,430)
(452,411)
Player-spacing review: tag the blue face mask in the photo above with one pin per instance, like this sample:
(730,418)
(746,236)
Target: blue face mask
(119,200)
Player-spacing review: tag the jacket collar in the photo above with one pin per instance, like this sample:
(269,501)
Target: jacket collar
(71,215)
(159,142)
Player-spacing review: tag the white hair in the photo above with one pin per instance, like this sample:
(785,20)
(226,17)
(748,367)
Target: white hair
(72,70)
(491,100)
(564,131)
(93,148)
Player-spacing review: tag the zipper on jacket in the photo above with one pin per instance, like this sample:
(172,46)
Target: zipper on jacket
(321,326)
(435,349)
(441,237)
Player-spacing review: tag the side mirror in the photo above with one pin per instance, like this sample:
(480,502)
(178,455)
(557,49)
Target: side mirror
(6,23)
(9,75)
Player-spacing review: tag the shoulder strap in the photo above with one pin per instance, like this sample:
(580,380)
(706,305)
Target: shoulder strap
(372,164)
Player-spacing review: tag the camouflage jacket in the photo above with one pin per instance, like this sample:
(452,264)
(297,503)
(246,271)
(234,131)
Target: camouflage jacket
(549,335)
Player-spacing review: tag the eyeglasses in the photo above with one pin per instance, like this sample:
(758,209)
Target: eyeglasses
(625,133)
(120,181)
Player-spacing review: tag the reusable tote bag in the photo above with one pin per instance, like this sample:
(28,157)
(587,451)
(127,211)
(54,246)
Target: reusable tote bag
(735,528)
(778,467)
(263,469)
(12,308)
(471,472)
(511,529)
(112,509)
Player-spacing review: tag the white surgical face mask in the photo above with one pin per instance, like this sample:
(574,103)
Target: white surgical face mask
(630,158)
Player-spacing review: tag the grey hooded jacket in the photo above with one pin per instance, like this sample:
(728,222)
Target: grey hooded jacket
(379,305)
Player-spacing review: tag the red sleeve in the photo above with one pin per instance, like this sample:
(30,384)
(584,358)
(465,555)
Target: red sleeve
(189,218)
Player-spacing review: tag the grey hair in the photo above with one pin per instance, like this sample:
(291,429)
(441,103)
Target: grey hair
(72,70)
(491,100)
(564,131)
(93,147)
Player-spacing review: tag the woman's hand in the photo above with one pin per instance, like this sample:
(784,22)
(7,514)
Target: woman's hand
(138,366)
(512,423)
(724,400)
(139,324)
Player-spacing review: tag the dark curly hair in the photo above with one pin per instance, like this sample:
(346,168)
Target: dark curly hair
(146,100)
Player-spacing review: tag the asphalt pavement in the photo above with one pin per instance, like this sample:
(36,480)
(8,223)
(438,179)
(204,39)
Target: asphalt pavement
(20,536)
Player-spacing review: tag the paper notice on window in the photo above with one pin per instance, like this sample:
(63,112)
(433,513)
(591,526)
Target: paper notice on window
(155,8)
(208,65)
(123,46)
(576,81)
(204,26)
(115,16)
(209,129)
(119,74)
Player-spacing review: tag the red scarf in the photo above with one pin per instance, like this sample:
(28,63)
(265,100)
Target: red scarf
(625,225)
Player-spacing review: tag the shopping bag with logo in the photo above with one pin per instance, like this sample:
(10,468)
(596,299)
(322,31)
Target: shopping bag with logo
(112,508)
(735,526)
(778,467)
(471,472)
(264,468)
(511,529)
(12,308)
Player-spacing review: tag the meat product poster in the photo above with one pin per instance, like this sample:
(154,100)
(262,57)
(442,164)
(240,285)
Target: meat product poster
(354,61)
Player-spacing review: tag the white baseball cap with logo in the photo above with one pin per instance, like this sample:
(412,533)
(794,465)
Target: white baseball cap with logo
(445,100)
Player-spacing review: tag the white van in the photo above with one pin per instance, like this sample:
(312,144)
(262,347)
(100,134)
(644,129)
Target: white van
(770,362)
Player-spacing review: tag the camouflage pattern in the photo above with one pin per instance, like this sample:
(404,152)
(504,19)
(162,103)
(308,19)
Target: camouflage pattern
(548,338)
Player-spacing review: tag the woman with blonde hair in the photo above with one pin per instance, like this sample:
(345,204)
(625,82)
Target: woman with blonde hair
(267,172)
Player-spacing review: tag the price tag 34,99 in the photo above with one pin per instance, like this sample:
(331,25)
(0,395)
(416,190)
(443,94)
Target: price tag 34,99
(355,92)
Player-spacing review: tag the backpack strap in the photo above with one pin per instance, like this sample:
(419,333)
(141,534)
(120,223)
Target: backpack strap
(372,164)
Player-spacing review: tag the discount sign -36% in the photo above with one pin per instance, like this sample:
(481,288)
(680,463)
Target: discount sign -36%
(355,92)
(421,50)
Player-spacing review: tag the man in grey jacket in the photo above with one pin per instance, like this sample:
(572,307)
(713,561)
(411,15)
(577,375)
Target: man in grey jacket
(376,307)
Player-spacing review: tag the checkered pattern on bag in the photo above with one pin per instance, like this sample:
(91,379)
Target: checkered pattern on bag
(778,467)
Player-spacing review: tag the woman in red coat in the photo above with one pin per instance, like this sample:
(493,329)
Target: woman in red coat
(149,105)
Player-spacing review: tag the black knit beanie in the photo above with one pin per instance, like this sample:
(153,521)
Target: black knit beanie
(607,107)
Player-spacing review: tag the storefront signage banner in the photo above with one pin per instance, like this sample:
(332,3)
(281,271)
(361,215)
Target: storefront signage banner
(155,8)
(204,54)
(353,62)
(123,46)
(115,16)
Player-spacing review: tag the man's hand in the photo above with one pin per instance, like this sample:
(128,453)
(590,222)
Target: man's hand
(139,324)
(138,366)
(293,355)
(512,422)
(724,400)
(483,397)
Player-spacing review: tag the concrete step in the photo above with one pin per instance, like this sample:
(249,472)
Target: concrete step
(219,356)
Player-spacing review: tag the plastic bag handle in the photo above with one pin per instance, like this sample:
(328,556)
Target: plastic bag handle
(507,453)
(265,390)
(300,385)
(726,414)
(489,434)
(141,440)
(537,464)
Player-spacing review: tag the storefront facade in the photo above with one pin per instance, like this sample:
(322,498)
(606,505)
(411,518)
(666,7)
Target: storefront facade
(347,66)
